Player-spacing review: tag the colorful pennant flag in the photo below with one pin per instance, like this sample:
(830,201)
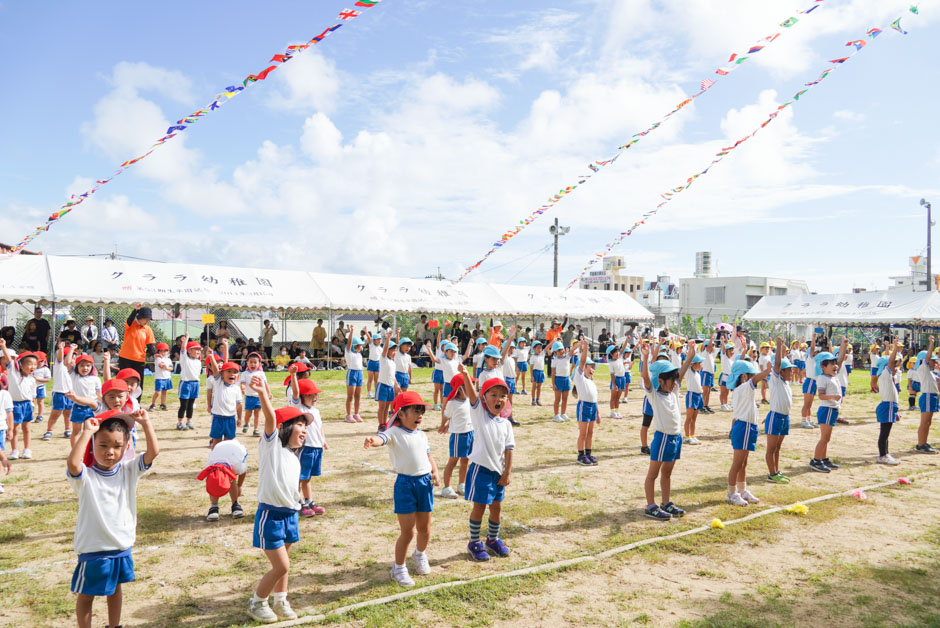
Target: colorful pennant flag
(720,156)
(183,123)
(736,59)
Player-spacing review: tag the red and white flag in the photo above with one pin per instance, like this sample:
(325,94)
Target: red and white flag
(706,84)
(348,14)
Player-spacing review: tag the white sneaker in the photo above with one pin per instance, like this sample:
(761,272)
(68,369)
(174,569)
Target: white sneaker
(370,396)
(14,455)
(557,419)
(691,440)
(460,488)
(749,497)
(2,490)
(888,459)
(260,611)
(422,566)
(400,575)
(806,425)
(565,417)
(436,406)
(283,610)
(448,493)
(737,500)
(27,454)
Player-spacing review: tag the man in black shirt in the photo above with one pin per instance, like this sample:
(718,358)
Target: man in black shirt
(70,334)
(43,329)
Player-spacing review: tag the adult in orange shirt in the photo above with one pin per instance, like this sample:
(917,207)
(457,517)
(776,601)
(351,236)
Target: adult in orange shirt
(138,341)
(553,334)
(496,336)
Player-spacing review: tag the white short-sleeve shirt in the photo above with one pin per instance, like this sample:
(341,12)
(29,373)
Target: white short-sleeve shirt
(353,360)
(458,412)
(561,367)
(666,415)
(278,473)
(492,436)
(826,385)
(61,378)
(6,405)
(23,388)
(245,378)
(927,379)
(402,362)
(408,450)
(537,361)
(587,389)
(509,367)
(781,396)
(225,397)
(744,408)
(387,371)
(231,453)
(162,368)
(190,368)
(693,381)
(88,386)
(617,368)
(886,386)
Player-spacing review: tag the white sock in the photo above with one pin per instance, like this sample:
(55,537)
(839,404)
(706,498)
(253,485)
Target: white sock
(279,597)
(400,567)
(742,486)
(255,599)
(731,490)
(419,554)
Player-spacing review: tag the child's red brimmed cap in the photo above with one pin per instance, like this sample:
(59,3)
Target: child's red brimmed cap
(192,344)
(456,383)
(162,346)
(308,387)
(41,355)
(230,366)
(117,384)
(286,414)
(218,479)
(301,368)
(403,400)
(26,354)
(127,374)
(255,354)
(116,414)
(87,358)
(496,381)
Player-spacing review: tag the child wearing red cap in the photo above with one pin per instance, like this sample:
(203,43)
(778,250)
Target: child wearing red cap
(106,525)
(42,375)
(162,375)
(252,404)
(490,463)
(226,462)
(22,388)
(353,357)
(190,371)
(414,487)
(6,423)
(305,398)
(455,420)
(275,528)
(226,398)
(85,395)
(61,386)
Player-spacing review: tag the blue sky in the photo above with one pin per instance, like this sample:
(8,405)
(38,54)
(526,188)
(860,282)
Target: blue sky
(414,135)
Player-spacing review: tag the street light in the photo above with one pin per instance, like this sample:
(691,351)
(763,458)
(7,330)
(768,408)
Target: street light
(926,203)
(556,231)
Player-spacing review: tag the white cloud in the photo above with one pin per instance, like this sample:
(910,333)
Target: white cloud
(308,82)
(848,115)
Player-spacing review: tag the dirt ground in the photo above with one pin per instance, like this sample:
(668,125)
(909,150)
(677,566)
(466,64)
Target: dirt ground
(194,573)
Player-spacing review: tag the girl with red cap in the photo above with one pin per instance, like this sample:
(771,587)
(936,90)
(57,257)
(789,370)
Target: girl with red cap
(61,386)
(190,371)
(22,388)
(162,375)
(85,395)
(42,375)
(226,398)
(414,487)
(455,420)
(275,528)
(305,398)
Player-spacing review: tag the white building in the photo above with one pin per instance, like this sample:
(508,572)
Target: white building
(715,298)
(661,297)
(916,280)
(613,276)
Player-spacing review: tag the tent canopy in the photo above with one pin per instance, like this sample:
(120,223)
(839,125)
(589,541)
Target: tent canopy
(864,308)
(93,281)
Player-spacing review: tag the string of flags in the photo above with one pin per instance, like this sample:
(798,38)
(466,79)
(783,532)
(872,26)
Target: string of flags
(671,194)
(183,123)
(733,63)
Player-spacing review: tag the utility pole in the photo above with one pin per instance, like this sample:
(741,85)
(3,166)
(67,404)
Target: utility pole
(438,276)
(926,203)
(556,231)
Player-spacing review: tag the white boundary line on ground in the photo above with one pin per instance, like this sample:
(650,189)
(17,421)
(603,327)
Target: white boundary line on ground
(560,564)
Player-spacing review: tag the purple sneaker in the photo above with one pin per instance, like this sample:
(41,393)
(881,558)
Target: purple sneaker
(477,550)
(496,545)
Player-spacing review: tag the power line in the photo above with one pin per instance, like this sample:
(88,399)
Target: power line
(544,249)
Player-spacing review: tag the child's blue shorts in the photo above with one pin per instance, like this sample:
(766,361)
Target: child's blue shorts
(693,401)
(826,415)
(222,427)
(3,439)
(647,408)
(776,424)
(848,369)
(252,402)
(447,390)
(60,402)
(354,377)
(887,412)
(461,444)
(666,447)
(744,435)
(522,366)
(23,412)
(843,391)
(41,391)
(99,573)
(310,461)
(511,384)
(873,371)
(619,383)
(384,392)
(809,386)
(483,485)
(274,527)
(800,364)
(562,383)
(586,411)
(708,379)
(162,384)
(373,366)
(413,493)
(723,380)
(437,376)
(189,389)
(81,413)
(538,376)
(928,402)
(915,385)
(402,379)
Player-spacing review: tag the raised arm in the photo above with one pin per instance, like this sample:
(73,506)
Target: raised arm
(507,346)
(779,355)
(431,350)
(270,422)
(153,448)
(213,365)
(5,358)
(349,338)
(468,388)
(812,345)
(74,461)
(689,356)
(892,361)
(584,352)
(842,352)
(645,356)
(133,315)
(294,386)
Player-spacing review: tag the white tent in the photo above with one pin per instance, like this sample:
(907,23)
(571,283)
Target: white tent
(864,308)
(80,280)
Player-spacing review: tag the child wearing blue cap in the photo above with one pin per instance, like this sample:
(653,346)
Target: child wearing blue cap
(353,357)
(661,382)
(809,385)
(830,400)
(708,352)
(521,356)
(726,359)
(929,399)
(618,379)
(887,410)
(387,388)
(693,398)
(537,364)
(586,410)
(479,345)
(661,356)
(561,381)
(742,383)
(374,365)
(491,365)
(777,421)
(403,363)
(913,379)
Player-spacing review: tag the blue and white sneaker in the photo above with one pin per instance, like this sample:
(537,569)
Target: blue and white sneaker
(478,551)
(673,510)
(497,546)
(653,511)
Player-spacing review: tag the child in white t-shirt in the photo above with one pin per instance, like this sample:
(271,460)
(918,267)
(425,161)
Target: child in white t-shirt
(455,420)
(887,411)
(586,410)
(509,367)
(537,363)
(742,383)
(403,362)
(6,423)
(353,357)
(42,375)
(252,407)
(190,371)
(387,387)
(521,357)
(106,525)
(777,421)
(61,386)
(618,378)
(226,399)
(306,394)
(375,362)
(226,462)
(22,389)
(561,381)
(830,400)
(417,475)
(694,401)
(162,375)
(929,401)
(85,395)
(435,353)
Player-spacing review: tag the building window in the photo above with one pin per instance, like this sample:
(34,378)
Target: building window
(606,286)
(715,295)
(631,290)
(778,292)
(752,299)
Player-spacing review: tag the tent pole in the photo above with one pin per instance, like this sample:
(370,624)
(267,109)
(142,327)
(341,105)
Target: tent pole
(329,342)
(54,338)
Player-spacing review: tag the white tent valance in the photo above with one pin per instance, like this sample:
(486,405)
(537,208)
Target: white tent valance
(78,280)
(864,308)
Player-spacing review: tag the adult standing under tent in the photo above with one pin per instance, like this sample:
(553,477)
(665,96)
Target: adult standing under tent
(89,332)
(267,338)
(496,335)
(421,331)
(222,333)
(43,329)
(138,341)
(109,334)
(318,341)
(8,334)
